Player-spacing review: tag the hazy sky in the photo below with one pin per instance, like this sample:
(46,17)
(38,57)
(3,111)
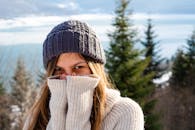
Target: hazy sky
(29,21)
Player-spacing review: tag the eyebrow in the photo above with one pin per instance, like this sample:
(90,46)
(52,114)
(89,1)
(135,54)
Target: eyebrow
(80,63)
(74,64)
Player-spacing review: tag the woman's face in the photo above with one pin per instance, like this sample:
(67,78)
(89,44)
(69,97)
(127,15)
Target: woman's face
(71,64)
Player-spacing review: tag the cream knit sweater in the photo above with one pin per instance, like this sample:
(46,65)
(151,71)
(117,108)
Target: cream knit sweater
(71,103)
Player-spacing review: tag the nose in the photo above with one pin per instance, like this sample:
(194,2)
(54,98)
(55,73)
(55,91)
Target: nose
(63,75)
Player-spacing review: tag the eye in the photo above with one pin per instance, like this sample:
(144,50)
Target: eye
(58,70)
(79,67)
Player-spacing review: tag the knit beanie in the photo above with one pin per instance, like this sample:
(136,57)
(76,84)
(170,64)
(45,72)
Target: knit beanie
(72,36)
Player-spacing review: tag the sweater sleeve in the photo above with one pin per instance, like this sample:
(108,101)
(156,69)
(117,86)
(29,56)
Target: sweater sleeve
(80,100)
(57,104)
(130,115)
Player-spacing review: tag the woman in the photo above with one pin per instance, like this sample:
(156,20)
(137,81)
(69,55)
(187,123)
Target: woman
(78,94)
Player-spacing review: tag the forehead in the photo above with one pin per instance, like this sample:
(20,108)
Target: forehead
(69,58)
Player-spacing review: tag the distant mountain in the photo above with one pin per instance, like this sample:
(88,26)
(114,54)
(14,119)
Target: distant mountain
(9,54)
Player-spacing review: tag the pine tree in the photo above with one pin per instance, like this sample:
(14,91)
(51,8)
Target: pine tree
(184,66)
(179,70)
(125,65)
(4,109)
(21,83)
(22,90)
(122,58)
(152,52)
(153,67)
(191,46)
(190,54)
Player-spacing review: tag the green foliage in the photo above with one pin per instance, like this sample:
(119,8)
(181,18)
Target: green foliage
(191,47)
(151,118)
(152,52)
(123,61)
(125,65)
(154,66)
(184,66)
(179,68)
(191,61)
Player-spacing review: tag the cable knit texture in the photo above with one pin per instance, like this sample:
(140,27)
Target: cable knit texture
(71,103)
(73,36)
(58,104)
(80,100)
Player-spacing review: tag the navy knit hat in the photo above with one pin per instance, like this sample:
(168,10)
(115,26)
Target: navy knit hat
(72,36)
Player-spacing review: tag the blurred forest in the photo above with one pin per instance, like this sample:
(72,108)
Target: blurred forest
(168,105)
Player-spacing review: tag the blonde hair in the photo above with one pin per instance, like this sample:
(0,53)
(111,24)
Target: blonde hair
(39,112)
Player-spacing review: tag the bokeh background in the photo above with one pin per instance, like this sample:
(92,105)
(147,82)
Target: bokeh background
(24,25)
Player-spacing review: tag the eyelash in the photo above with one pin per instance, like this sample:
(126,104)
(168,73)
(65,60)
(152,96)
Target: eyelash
(75,68)
(57,69)
(78,67)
